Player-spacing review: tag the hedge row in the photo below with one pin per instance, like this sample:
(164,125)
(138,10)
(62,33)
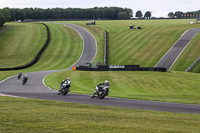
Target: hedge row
(37,56)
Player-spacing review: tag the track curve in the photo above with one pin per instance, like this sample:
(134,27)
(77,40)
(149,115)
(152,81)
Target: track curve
(7,27)
(35,88)
(174,52)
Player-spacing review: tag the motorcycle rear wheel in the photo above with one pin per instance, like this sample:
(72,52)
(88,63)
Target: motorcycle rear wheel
(102,95)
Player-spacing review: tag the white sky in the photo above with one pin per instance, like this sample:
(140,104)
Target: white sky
(160,8)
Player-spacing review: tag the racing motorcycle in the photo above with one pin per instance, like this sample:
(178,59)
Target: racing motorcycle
(19,76)
(24,80)
(100,91)
(64,88)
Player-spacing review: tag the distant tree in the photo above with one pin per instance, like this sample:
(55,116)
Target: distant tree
(2,19)
(138,14)
(178,14)
(71,13)
(171,15)
(6,14)
(122,15)
(147,15)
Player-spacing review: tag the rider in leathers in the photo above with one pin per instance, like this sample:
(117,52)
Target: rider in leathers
(66,80)
(106,86)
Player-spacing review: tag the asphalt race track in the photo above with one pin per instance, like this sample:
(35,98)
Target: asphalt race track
(171,56)
(35,88)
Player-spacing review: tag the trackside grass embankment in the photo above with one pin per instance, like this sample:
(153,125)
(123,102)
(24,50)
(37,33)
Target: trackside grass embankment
(28,115)
(64,50)
(179,87)
(189,55)
(144,47)
(20,43)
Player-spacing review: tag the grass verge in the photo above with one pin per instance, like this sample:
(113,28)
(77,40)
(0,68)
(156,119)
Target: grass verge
(144,47)
(28,115)
(189,55)
(177,87)
(20,43)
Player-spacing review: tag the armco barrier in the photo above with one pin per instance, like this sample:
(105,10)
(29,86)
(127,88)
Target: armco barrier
(106,48)
(37,56)
(193,64)
(122,68)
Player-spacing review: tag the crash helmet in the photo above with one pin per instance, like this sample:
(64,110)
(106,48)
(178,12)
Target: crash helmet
(106,81)
(67,78)
(25,75)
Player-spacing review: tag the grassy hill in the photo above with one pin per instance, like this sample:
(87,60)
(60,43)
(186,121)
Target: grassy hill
(21,43)
(189,55)
(63,51)
(29,115)
(177,87)
(144,47)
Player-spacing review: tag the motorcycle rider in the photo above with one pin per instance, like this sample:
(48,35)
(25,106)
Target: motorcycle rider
(64,81)
(25,77)
(106,86)
(19,75)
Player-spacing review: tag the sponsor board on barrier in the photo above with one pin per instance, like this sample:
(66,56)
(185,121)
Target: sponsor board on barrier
(116,66)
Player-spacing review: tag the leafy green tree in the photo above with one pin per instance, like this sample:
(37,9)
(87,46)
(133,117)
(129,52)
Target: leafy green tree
(70,13)
(2,19)
(147,15)
(6,14)
(178,14)
(122,15)
(171,15)
(138,14)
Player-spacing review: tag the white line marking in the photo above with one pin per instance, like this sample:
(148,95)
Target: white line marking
(182,51)
(7,79)
(80,56)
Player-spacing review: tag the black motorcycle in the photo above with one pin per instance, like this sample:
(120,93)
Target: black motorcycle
(101,93)
(19,76)
(64,88)
(24,80)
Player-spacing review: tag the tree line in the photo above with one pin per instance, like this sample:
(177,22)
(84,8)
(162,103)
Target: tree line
(179,14)
(4,16)
(71,13)
(139,15)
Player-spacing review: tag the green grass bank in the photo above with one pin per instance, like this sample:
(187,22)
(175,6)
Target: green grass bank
(28,115)
(179,87)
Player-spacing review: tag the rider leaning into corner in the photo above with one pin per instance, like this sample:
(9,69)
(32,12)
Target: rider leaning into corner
(106,85)
(25,78)
(66,80)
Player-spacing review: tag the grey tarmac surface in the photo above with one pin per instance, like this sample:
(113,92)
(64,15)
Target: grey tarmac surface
(171,56)
(7,27)
(35,89)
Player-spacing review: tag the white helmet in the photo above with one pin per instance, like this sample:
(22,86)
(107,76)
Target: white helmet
(106,81)
(25,76)
(67,78)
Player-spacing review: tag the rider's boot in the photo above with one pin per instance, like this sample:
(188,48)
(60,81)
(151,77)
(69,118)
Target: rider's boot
(59,92)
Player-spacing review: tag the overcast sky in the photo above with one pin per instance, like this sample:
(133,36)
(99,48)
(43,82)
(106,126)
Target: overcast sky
(160,8)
